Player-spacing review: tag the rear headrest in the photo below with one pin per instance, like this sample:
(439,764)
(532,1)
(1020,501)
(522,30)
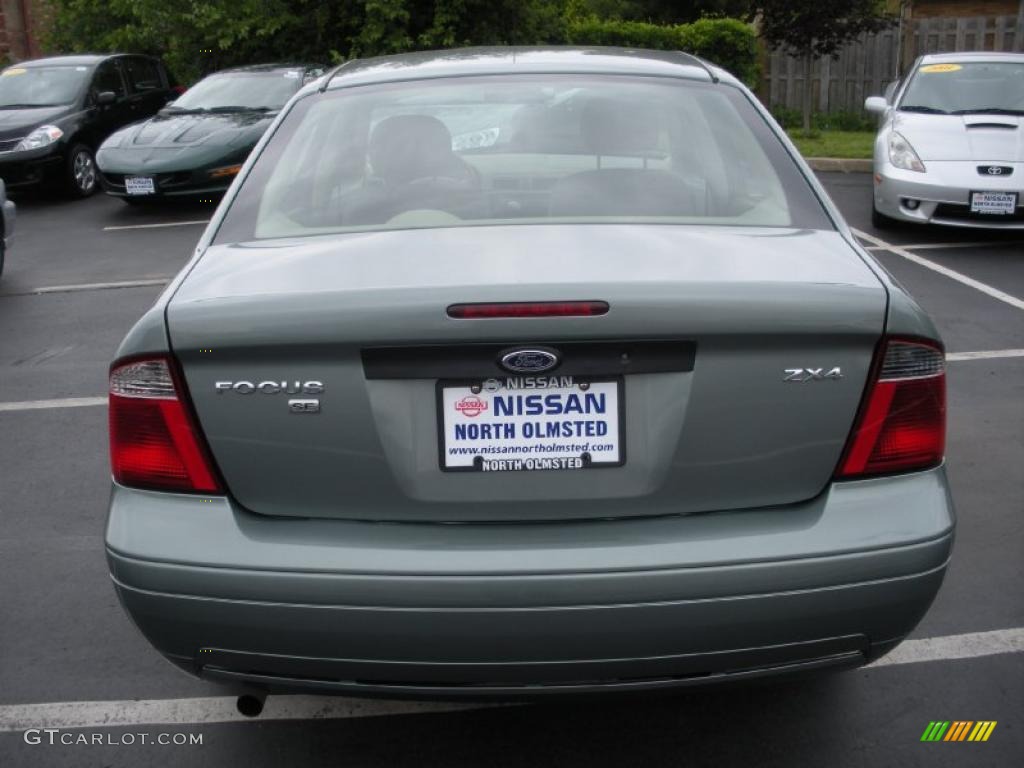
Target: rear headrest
(614,127)
(406,147)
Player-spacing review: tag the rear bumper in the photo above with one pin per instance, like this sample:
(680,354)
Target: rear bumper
(424,610)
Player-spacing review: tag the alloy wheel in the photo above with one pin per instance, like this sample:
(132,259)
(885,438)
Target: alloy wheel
(84,170)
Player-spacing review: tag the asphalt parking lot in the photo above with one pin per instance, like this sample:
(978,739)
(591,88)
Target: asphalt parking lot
(80,273)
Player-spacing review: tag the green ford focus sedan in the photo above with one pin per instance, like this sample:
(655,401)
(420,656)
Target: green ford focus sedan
(507,372)
(196,145)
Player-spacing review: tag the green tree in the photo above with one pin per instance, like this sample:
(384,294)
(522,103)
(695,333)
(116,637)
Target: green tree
(193,36)
(665,11)
(198,36)
(815,28)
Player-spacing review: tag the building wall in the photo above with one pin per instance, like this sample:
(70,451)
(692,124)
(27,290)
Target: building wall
(927,9)
(22,25)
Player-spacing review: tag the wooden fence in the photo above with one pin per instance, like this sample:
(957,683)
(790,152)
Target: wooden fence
(864,67)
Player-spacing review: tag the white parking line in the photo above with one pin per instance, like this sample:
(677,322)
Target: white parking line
(158,226)
(933,246)
(968,646)
(221,709)
(991,354)
(71,288)
(66,402)
(988,290)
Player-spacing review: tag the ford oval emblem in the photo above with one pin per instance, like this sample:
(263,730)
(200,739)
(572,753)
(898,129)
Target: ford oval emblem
(532,360)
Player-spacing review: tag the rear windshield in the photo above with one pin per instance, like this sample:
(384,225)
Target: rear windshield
(966,87)
(485,150)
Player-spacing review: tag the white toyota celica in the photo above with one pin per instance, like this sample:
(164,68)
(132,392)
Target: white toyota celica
(950,146)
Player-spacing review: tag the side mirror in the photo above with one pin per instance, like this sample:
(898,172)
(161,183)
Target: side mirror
(105,97)
(876,105)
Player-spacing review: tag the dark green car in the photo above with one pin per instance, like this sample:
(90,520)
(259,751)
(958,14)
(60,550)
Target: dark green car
(196,145)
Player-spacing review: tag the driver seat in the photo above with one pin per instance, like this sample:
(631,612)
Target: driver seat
(405,148)
(414,169)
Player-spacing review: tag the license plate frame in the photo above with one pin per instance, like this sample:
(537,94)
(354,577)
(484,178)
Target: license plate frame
(976,208)
(595,385)
(138,186)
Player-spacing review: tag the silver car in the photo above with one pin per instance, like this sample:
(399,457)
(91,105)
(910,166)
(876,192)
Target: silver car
(511,372)
(950,146)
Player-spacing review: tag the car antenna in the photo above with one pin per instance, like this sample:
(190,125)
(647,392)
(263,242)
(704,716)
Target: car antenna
(332,73)
(703,64)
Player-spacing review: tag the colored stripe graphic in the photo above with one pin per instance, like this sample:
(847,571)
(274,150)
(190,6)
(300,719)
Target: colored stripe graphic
(958,730)
(982,730)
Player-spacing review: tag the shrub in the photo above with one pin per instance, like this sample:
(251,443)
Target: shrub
(628,34)
(844,120)
(825,121)
(729,43)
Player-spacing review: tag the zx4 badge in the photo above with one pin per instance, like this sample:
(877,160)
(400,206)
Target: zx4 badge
(812,374)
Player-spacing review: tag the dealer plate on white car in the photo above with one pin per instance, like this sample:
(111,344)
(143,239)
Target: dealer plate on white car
(530,423)
(995,203)
(139,185)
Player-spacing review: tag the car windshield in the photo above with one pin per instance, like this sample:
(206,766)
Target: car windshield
(966,87)
(41,86)
(502,150)
(241,90)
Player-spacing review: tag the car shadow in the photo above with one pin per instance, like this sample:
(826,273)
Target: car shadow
(173,207)
(743,725)
(753,725)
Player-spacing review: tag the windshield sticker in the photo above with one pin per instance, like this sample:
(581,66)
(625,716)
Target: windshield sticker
(292,75)
(941,68)
(15,71)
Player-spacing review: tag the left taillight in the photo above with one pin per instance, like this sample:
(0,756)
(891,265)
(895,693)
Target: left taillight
(155,442)
(902,423)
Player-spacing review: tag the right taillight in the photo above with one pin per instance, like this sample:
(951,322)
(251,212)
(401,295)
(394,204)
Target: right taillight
(902,423)
(155,442)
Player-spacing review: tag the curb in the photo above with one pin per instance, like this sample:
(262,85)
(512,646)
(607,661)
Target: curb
(843,164)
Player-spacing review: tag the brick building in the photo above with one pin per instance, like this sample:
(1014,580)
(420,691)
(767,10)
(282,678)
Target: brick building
(21,26)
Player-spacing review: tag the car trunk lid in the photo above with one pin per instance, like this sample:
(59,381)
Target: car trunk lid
(704,327)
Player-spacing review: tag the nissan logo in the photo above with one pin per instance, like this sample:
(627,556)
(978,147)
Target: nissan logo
(531,360)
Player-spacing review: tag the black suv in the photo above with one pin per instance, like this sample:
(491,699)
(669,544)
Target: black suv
(54,113)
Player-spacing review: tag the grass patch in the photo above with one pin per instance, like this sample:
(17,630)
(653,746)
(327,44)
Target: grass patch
(856,144)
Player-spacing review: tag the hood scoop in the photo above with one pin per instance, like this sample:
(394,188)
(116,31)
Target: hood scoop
(997,126)
(198,131)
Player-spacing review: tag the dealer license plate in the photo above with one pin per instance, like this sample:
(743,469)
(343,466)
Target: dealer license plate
(531,423)
(994,203)
(139,185)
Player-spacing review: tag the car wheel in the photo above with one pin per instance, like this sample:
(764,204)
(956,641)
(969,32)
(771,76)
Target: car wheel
(82,174)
